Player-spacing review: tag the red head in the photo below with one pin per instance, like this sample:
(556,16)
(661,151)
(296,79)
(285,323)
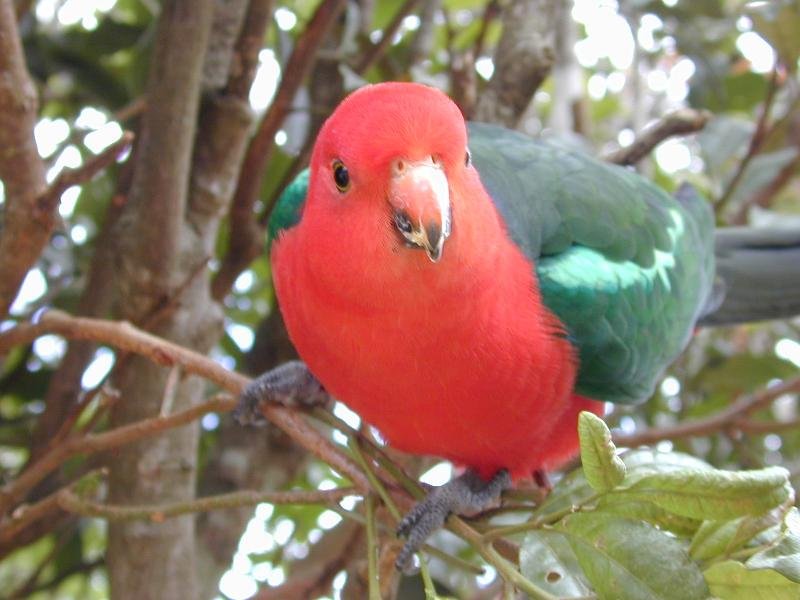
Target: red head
(395,146)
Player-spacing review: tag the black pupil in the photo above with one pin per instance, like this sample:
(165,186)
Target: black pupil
(341,176)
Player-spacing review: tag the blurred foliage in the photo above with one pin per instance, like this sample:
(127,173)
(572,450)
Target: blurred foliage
(745,161)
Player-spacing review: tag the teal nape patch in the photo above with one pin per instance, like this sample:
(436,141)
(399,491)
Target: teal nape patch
(289,207)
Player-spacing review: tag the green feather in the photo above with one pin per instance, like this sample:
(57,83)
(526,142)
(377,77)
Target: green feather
(289,207)
(626,267)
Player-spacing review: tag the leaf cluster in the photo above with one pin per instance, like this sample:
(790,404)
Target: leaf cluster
(649,524)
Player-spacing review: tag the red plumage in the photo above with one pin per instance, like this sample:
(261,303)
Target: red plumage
(458,358)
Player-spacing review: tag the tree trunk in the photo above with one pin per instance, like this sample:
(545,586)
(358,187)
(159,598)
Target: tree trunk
(151,560)
(522,61)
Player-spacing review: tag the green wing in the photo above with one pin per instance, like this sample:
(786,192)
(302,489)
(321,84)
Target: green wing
(626,267)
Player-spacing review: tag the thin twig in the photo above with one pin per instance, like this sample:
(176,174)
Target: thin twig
(372,55)
(756,141)
(69,177)
(680,122)
(24,515)
(490,13)
(713,424)
(372,549)
(72,502)
(170,389)
(506,568)
(82,567)
(26,589)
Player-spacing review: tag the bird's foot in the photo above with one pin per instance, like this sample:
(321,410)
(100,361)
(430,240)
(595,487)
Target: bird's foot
(466,494)
(290,384)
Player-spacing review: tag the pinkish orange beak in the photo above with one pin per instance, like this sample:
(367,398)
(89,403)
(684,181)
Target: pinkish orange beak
(420,196)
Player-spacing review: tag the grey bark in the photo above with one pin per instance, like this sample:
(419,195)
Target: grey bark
(424,41)
(149,560)
(259,458)
(228,17)
(522,60)
(567,76)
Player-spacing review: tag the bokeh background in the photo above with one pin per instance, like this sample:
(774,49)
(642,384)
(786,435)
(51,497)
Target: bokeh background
(612,71)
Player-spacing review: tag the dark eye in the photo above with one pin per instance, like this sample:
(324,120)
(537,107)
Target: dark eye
(341,176)
(467,158)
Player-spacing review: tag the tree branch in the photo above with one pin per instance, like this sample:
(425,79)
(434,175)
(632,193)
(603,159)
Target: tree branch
(49,200)
(72,502)
(23,516)
(245,57)
(226,121)
(27,224)
(246,236)
(680,122)
(765,196)
(756,141)
(149,232)
(126,337)
(728,418)
(372,55)
(14,491)
(522,61)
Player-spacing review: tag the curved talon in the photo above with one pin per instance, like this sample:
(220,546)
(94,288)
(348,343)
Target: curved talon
(290,384)
(247,412)
(467,493)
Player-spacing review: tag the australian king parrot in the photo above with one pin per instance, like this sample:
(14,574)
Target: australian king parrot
(468,290)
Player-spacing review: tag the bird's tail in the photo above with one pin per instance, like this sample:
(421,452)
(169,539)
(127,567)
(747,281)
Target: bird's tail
(758,275)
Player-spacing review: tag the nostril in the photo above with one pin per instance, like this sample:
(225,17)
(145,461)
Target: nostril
(434,159)
(398,166)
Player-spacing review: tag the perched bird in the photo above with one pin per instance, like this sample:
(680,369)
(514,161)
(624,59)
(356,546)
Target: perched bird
(469,292)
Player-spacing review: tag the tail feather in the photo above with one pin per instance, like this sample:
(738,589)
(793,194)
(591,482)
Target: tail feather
(758,276)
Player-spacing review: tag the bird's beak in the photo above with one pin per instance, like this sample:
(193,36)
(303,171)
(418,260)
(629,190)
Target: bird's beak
(420,196)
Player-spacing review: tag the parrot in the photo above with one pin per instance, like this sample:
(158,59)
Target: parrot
(469,290)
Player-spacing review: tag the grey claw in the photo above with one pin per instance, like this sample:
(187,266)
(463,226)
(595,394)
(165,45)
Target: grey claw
(290,384)
(248,411)
(467,493)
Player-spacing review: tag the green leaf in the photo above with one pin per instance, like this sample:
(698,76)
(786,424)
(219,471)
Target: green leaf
(785,556)
(713,494)
(547,559)
(712,539)
(719,538)
(649,512)
(731,580)
(603,468)
(623,558)
(648,461)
